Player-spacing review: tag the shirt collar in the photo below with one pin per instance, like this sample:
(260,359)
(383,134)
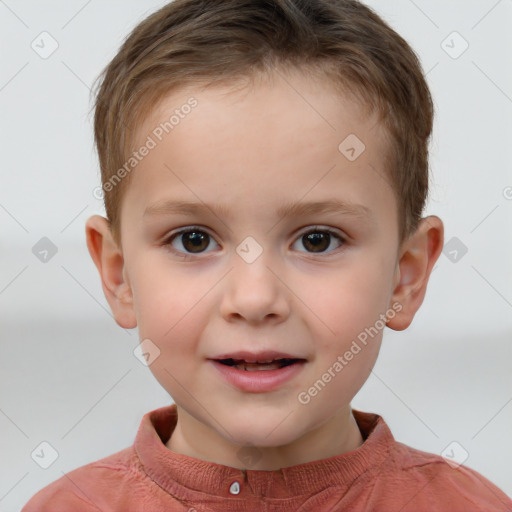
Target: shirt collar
(190,478)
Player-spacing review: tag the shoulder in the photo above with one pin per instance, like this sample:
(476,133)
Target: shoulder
(399,477)
(85,489)
(425,481)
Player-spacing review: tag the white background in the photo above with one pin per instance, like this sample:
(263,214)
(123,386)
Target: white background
(67,372)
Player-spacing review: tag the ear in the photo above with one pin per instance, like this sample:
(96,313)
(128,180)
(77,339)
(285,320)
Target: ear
(109,261)
(417,257)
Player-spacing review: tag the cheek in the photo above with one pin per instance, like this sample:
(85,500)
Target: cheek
(168,300)
(172,321)
(347,300)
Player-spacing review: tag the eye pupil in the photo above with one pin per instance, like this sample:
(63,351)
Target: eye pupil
(197,239)
(318,240)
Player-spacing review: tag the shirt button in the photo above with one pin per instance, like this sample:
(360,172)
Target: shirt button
(234,488)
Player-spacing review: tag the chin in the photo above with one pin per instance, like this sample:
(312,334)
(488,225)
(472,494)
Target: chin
(263,431)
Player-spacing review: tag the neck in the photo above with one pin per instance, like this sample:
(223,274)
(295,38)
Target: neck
(340,434)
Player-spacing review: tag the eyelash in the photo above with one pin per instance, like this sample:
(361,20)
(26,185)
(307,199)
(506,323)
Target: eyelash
(190,256)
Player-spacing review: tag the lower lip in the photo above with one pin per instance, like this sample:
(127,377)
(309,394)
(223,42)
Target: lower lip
(258,381)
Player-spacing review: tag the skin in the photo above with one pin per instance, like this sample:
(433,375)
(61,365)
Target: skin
(254,149)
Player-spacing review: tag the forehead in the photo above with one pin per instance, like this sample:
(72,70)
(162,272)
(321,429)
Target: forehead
(281,139)
(279,97)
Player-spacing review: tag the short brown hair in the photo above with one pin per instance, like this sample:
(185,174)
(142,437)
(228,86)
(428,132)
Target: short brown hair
(210,41)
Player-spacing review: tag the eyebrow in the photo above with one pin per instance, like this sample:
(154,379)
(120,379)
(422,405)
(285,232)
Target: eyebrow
(288,210)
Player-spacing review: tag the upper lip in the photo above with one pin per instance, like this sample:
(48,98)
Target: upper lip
(263,356)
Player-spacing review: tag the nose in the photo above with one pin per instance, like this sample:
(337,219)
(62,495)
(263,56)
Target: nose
(255,292)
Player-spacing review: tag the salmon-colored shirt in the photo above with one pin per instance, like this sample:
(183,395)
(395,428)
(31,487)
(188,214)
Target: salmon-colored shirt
(381,475)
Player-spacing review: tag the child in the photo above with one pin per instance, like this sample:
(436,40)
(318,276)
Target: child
(287,142)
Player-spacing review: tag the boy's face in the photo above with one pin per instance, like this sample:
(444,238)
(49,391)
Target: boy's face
(250,279)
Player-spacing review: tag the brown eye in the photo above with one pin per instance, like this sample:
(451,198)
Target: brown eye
(195,241)
(189,241)
(319,240)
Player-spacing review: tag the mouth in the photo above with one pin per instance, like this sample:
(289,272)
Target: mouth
(259,372)
(272,364)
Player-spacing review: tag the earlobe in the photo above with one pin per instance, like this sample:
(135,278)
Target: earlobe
(417,258)
(109,261)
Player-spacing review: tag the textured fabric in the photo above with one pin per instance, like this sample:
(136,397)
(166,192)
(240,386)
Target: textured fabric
(381,475)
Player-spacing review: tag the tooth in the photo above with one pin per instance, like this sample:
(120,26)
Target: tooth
(254,367)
